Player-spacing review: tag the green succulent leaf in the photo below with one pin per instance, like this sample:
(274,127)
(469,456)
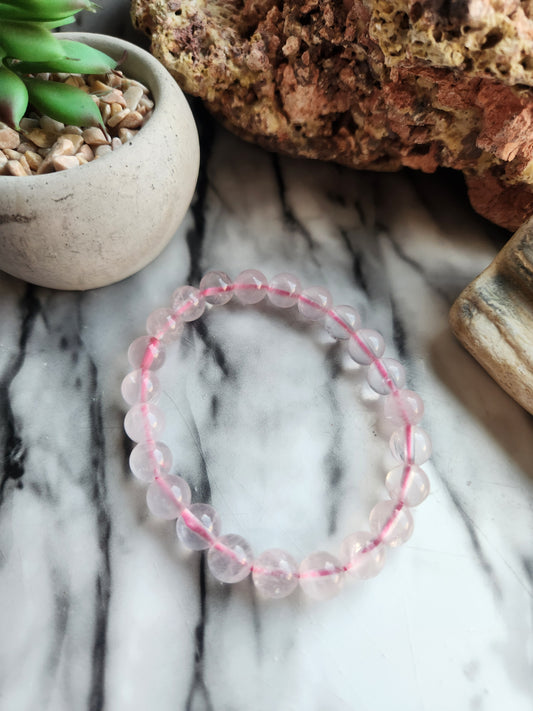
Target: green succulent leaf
(36,10)
(79,59)
(52,24)
(13,98)
(63,102)
(29,41)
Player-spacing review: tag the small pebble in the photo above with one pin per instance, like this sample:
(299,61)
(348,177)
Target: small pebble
(98,85)
(50,125)
(75,81)
(8,137)
(34,159)
(73,129)
(102,150)
(24,163)
(126,134)
(41,138)
(94,136)
(62,147)
(24,146)
(132,120)
(105,111)
(3,161)
(115,96)
(86,151)
(76,140)
(146,103)
(12,155)
(132,96)
(28,124)
(116,143)
(64,162)
(15,168)
(118,118)
(114,80)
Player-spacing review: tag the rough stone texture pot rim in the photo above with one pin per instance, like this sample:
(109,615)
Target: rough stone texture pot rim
(139,58)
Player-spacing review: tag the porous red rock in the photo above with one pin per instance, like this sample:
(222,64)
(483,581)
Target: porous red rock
(375,85)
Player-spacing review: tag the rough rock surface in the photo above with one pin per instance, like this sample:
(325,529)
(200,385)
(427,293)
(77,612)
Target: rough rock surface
(493,317)
(377,85)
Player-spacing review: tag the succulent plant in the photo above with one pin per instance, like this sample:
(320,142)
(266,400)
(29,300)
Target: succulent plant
(28,47)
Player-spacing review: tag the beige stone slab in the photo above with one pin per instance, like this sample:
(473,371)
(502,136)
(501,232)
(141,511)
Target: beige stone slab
(493,317)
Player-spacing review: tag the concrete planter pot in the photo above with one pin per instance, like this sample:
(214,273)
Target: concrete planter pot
(97,224)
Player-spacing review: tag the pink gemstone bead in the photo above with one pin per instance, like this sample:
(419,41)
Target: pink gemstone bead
(188,303)
(359,564)
(413,447)
(146,349)
(341,321)
(137,387)
(221,285)
(321,575)
(408,483)
(251,286)
(385,374)
(198,527)
(391,525)
(144,422)
(284,290)
(404,407)
(366,346)
(163,325)
(275,574)
(230,558)
(314,302)
(150,460)
(167,496)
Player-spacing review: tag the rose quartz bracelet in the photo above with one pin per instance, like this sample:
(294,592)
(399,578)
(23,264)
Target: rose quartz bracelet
(229,557)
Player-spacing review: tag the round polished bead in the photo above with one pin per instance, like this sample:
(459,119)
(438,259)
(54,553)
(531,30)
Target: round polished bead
(167,496)
(321,575)
(250,286)
(230,558)
(198,527)
(144,422)
(275,573)
(403,407)
(391,524)
(146,351)
(140,386)
(407,483)
(220,283)
(341,320)
(360,563)
(366,346)
(284,290)
(410,444)
(163,325)
(385,374)
(314,302)
(188,303)
(148,460)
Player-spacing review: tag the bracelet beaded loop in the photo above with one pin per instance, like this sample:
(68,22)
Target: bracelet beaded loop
(230,559)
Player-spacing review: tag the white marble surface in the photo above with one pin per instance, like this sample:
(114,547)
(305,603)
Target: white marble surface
(99,606)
